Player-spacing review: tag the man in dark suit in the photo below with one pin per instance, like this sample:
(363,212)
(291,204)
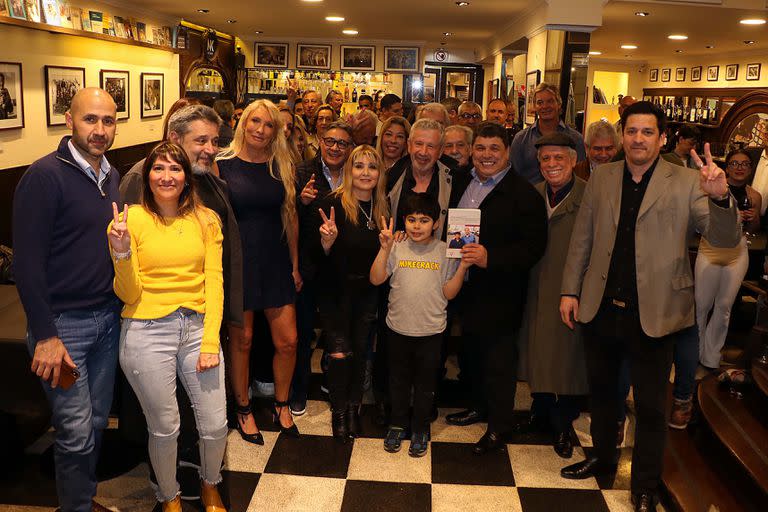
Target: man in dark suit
(628,279)
(315,179)
(514,235)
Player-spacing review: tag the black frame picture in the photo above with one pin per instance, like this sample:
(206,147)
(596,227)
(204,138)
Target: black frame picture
(653,75)
(680,74)
(152,105)
(313,56)
(666,74)
(61,84)
(118,84)
(713,73)
(696,74)
(532,79)
(753,71)
(11,93)
(270,55)
(17,9)
(402,59)
(732,72)
(358,58)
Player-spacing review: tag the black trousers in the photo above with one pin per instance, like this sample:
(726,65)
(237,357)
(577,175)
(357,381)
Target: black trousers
(413,362)
(554,410)
(492,364)
(613,335)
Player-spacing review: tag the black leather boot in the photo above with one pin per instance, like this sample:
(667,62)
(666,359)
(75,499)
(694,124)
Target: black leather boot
(339,425)
(353,420)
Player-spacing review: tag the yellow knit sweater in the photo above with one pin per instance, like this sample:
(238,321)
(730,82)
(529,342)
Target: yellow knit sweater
(174,263)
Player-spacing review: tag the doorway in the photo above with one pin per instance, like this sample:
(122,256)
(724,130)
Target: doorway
(463,81)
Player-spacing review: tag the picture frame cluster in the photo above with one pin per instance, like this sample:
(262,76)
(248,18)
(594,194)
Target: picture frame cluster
(314,56)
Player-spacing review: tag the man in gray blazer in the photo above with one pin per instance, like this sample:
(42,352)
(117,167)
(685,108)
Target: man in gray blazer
(628,280)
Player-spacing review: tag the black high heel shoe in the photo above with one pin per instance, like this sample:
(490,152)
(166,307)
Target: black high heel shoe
(292,431)
(243,411)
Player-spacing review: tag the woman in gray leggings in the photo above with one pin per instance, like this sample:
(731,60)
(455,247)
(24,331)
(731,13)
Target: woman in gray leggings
(168,272)
(720,271)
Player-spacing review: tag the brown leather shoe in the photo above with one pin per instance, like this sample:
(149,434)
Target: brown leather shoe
(681,413)
(209,495)
(172,506)
(98,507)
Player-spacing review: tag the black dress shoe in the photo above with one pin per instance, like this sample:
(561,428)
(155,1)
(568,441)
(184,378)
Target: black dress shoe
(587,468)
(644,502)
(563,445)
(489,441)
(464,418)
(353,420)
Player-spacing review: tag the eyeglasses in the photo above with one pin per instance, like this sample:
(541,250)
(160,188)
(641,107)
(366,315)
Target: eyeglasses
(733,164)
(471,116)
(330,142)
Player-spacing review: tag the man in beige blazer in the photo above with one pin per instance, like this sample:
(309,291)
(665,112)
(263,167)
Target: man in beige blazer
(628,280)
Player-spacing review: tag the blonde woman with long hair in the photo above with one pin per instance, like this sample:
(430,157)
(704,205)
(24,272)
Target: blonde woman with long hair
(260,175)
(349,222)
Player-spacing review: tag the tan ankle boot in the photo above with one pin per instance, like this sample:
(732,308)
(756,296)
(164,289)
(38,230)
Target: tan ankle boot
(172,506)
(211,499)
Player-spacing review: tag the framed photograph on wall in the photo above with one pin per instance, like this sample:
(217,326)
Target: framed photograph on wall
(680,74)
(11,96)
(117,84)
(16,9)
(653,75)
(713,73)
(531,81)
(313,56)
(61,84)
(358,58)
(270,55)
(152,94)
(666,74)
(696,74)
(753,71)
(731,71)
(403,59)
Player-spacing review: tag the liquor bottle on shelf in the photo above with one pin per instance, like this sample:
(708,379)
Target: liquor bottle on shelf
(705,114)
(346,93)
(668,110)
(354,95)
(692,114)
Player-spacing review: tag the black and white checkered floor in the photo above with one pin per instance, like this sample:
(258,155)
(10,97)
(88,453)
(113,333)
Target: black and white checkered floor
(316,473)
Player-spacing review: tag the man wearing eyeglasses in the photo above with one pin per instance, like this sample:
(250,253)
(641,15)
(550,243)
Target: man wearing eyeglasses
(315,179)
(470,115)
(546,104)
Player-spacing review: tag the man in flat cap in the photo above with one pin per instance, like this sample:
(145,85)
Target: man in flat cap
(551,354)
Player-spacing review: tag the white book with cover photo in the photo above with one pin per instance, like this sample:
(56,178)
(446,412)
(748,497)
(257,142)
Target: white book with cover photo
(463,229)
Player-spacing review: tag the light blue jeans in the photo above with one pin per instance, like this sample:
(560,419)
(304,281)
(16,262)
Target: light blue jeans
(152,352)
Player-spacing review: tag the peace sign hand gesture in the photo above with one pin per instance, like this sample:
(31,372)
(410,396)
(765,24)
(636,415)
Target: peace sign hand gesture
(713,180)
(119,237)
(328,230)
(387,236)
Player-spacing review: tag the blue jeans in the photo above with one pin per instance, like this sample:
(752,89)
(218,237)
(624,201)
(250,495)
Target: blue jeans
(152,353)
(686,360)
(80,414)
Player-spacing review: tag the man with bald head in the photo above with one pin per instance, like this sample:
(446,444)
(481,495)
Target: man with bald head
(64,275)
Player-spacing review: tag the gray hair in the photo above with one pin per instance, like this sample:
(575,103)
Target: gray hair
(439,109)
(341,125)
(464,130)
(469,104)
(428,124)
(571,152)
(182,118)
(601,129)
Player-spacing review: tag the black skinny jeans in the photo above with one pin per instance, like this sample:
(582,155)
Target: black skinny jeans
(349,320)
(413,362)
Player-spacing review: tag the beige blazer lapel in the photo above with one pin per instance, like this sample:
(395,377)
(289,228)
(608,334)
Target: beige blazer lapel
(658,185)
(615,177)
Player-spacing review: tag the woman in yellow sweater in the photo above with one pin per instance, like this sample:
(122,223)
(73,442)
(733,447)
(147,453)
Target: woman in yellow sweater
(168,272)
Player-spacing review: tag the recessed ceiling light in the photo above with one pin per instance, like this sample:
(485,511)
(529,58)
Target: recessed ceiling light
(642,13)
(334,18)
(678,51)
(677,37)
(443,43)
(709,46)
(629,47)
(258,31)
(447,34)
(595,53)
(350,32)
(203,11)
(312,1)
(753,21)
(462,4)
(749,42)
(231,21)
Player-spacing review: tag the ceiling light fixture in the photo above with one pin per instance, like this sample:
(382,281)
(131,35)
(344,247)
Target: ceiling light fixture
(231,21)
(334,18)
(595,53)
(677,37)
(709,46)
(312,1)
(462,4)
(349,32)
(642,14)
(203,11)
(749,41)
(258,31)
(753,21)
(447,34)
(629,47)
(678,51)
